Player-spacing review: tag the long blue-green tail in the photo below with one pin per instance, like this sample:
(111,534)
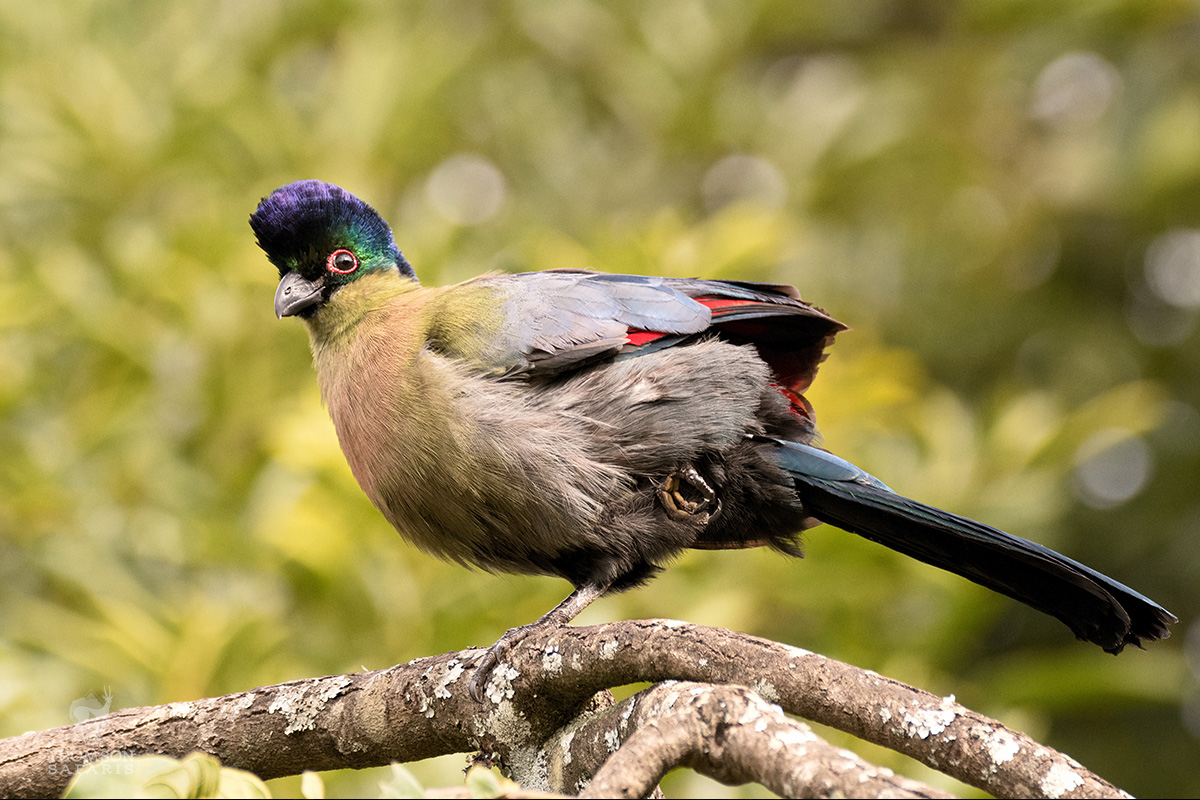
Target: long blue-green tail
(1095,607)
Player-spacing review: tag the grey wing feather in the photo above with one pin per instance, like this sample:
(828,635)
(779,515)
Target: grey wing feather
(557,318)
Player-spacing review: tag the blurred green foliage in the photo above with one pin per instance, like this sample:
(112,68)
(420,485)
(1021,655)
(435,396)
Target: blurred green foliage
(1001,196)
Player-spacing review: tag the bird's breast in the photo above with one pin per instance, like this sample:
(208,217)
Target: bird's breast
(463,465)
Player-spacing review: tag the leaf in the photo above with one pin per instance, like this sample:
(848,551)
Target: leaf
(311,786)
(402,784)
(482,782)
(197,775)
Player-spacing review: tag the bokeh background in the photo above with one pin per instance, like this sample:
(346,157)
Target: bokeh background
(1002,197)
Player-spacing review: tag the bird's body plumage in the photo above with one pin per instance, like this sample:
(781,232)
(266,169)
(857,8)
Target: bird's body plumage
(592,426)
(422,398)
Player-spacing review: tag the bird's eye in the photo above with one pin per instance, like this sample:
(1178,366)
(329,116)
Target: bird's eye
(343,262)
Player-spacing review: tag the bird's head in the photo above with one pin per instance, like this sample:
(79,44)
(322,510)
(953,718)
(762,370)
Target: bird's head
(320,238)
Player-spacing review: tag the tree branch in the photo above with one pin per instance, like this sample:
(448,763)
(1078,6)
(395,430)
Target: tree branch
(546,689)
(731,734)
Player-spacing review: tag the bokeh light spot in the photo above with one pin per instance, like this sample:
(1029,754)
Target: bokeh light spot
(1111,467)
(466,189)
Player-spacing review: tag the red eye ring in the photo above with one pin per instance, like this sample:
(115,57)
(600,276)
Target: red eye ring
(343,262)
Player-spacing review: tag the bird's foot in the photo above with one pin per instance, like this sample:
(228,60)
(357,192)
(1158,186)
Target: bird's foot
(491,659)
(680,507)
(553,619)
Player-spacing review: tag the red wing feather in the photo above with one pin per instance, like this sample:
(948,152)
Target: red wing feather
(638,337)
(790,337)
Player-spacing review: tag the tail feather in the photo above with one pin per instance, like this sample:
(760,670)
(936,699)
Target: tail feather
(1095,607)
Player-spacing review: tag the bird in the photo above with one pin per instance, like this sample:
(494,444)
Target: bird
(592,426)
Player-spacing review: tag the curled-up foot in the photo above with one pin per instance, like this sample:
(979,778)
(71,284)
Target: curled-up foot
(558,616)
(702,504)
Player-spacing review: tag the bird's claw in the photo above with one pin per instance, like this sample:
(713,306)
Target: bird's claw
(491,659)
(677,506)
(482,672)
(552,620)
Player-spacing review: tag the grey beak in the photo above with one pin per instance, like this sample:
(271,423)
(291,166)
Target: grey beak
(296,293)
